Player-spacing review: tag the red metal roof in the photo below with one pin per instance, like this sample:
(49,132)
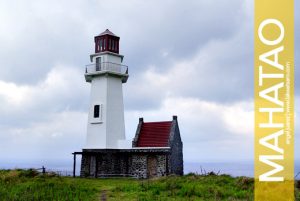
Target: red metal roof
(154,134)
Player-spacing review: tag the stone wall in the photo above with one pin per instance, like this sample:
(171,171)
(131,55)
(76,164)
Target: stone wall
(162,165)
(104,163)
(126,162)
(176,156)
(85,166)
(112,163)
(139,166)
(141,169)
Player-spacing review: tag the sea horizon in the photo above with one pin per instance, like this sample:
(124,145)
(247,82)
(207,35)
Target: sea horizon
(233,168)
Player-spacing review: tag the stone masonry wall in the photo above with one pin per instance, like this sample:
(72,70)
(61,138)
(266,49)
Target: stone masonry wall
(139,166)
(161,165)
(132,163)
(102,164)
(176,157)
(85,166)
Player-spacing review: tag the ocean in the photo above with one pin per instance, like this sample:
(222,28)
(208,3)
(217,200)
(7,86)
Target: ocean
(236,168)
(245,168)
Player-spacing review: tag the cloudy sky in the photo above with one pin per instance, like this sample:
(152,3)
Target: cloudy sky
(190,58)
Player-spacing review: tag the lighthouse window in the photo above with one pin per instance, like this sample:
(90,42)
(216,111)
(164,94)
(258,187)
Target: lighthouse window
(96,111)
(109,44)
(113,45)
(104,44)
(101,47)
(98,63)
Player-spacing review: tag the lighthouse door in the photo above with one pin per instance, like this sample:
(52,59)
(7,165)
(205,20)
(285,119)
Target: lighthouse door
(151,166)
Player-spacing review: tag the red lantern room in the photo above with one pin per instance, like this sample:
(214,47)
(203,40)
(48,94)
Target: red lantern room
(107,41)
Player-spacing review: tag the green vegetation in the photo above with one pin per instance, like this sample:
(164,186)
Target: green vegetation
(189,187)
(25,185)
(19,185)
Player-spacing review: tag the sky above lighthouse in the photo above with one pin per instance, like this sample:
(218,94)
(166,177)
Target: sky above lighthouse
(193,59)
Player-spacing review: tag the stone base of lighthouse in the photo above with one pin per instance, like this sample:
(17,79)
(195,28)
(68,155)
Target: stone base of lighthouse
(138,163)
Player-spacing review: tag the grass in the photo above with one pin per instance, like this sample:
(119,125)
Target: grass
(189,187)
(19,185)
(25,185)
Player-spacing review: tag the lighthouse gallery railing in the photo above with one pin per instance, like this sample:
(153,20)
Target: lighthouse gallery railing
(106,66)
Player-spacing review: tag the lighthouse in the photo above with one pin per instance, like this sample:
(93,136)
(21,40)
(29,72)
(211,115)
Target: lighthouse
(106,74)
(156,149)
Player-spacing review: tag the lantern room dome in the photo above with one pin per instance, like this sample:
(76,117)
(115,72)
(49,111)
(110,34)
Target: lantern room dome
(107,32)
(107,41)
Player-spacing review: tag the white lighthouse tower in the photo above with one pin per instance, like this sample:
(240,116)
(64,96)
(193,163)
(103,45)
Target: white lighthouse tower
(105,127)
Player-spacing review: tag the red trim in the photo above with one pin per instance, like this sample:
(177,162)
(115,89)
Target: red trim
(109,39)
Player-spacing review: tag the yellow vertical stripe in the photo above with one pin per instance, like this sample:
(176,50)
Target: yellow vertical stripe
(274,100)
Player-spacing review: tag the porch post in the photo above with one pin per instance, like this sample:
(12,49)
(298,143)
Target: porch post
(74,164)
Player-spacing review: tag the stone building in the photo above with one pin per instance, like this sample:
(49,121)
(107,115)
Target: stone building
(156,149)
(164,148)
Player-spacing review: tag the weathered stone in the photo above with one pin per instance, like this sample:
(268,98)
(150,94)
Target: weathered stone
(123,162)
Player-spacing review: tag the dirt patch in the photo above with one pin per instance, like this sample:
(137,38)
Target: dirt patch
(103,196)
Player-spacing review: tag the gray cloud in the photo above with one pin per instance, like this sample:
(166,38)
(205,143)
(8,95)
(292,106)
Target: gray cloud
(218,67)
(222,71)
(62,89)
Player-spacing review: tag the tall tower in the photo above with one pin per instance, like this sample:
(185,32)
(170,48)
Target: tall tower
(105,127)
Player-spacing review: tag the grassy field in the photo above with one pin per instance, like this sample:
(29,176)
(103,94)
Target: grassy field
(19,185)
